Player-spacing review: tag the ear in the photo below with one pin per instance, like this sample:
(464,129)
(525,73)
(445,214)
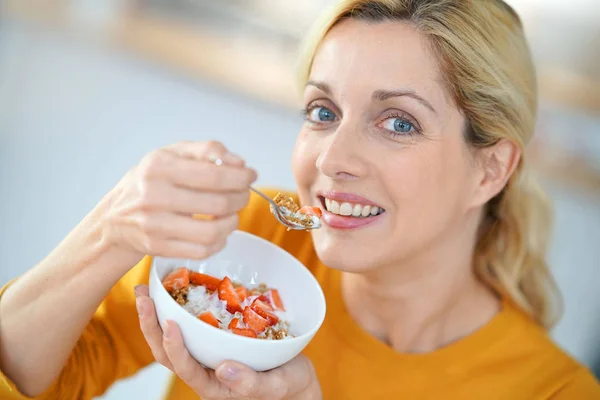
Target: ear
(497,163)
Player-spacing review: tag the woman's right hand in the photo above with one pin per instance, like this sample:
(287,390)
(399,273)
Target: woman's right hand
(150,210)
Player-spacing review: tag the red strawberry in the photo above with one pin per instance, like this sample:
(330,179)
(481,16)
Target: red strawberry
(210,282)
(228,294)
(276,300)
(242,292)
(177,279)
(308,210)
(265,302)
(244,332)
(254,321)
(234,323)
(209,318)
(264,310)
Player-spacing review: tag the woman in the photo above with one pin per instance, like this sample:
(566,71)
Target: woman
(417,114)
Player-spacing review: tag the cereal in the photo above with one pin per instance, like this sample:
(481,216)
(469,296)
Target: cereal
(257,312)
(307,217)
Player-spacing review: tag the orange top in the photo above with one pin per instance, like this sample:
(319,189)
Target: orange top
(509,358)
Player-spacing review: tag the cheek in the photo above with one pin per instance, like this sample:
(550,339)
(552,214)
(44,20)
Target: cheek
(304,161)
(432,184)
(413,176)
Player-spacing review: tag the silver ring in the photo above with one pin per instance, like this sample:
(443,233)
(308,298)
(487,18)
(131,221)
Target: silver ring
(215,159)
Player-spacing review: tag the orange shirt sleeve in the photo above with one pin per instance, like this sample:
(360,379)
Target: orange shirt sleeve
(111,347)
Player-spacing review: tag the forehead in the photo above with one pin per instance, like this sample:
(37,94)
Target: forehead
(372,56)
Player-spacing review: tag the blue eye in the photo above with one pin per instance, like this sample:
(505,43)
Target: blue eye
(320,114)
(402,126)
(398,125)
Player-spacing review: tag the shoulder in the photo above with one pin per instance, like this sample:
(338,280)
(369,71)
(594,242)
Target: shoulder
(539,359)
(580,385)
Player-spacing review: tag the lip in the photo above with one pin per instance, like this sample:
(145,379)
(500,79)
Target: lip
(346,198)
(342,222)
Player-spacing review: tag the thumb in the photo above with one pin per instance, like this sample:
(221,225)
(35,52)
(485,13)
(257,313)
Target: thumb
(279,383)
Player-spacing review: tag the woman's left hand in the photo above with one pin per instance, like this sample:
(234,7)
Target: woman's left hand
(231,380)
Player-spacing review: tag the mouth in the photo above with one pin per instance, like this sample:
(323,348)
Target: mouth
(347,210)
(349,204)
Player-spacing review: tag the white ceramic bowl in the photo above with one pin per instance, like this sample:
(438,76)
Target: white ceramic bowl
(249,260)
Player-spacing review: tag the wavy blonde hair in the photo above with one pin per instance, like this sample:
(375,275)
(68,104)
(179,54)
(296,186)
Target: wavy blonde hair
(486,64)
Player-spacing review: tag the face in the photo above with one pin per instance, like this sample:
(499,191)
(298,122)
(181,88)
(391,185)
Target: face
(382,148)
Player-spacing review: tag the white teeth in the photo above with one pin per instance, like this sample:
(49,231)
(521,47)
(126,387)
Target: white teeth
(334,207)
(346,209)
(366,211)
(350,209)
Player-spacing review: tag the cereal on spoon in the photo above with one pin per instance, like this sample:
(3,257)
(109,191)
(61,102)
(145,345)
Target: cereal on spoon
(307,216)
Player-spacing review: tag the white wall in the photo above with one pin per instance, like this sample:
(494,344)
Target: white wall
(74,119)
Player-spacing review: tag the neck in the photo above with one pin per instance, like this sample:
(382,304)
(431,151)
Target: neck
(424,303)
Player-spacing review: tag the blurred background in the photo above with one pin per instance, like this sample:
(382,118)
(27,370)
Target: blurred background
(87,87)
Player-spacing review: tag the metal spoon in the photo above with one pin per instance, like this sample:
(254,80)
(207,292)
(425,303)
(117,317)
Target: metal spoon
(279,212)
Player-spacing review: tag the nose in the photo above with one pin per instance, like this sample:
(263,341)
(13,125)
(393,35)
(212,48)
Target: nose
(342,158)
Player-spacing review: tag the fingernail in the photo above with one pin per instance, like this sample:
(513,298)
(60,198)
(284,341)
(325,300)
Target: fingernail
(166,329)
(232,158)
(231,374)
(255,175)
(136,290)
(140,308)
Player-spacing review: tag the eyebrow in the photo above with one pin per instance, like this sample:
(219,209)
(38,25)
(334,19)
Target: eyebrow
(379,95)
(322,86)
(382,95)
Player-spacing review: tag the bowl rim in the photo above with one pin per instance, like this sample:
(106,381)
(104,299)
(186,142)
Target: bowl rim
(309,333)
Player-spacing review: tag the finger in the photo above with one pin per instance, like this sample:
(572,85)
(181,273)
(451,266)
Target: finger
(180,249)
(287,380)
(205,175)
(184,228)
(151,329)
(200,174)
(211,233)
(187,368)
(186,201)
(141,290)
(206,151)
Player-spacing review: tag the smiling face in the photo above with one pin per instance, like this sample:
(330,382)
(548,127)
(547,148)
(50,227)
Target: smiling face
(382,138)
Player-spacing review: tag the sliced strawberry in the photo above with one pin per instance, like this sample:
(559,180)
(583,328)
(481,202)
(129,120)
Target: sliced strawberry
(177,279)
(228,294)
(264,302)
(276,300)
(254,321)
(242,292)
(244,332)
(264,310)
(209,318)
(210,282)
(234,323)
(308,210)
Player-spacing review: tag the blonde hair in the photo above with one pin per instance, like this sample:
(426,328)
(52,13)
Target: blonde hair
(486,65)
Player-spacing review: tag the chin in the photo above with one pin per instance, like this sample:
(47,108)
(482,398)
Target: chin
(342,255)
